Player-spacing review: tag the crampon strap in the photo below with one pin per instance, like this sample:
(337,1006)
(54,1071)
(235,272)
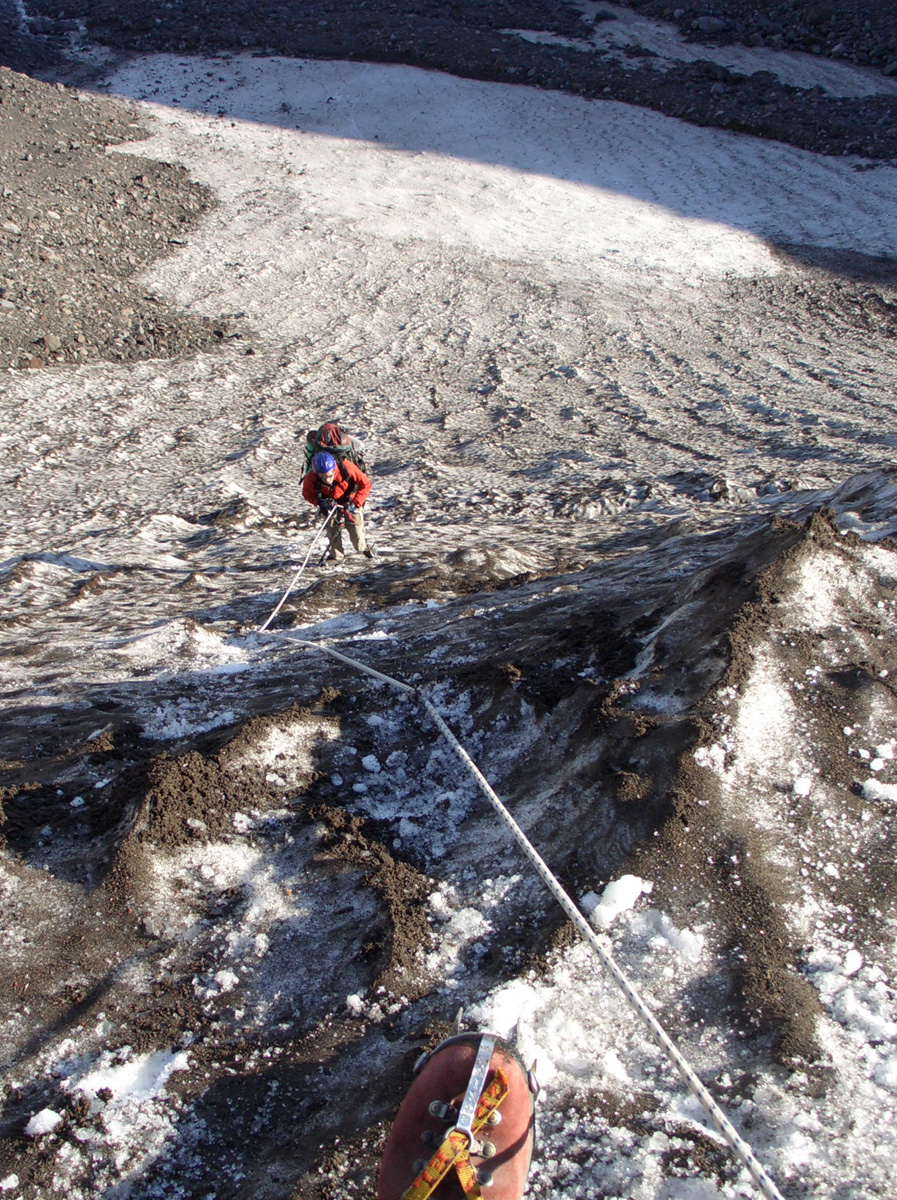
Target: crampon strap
(455,1150)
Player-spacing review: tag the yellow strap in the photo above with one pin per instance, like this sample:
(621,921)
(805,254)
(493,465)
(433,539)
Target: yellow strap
(454,1151)
(465,1170)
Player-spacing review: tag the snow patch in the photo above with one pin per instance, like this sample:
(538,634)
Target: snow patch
(873,789)
(43,1122)
(661,932)
(618,897)
(140,1078)
(174,719)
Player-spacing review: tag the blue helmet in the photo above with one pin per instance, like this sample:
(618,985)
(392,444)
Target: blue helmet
(323,463)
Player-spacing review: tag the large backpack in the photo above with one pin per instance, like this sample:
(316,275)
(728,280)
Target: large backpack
(334,439)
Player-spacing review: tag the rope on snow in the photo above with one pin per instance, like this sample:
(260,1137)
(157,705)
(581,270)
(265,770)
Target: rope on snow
(295,579)
(739,1147)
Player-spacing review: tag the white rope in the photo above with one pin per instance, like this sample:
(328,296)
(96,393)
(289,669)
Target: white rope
(295,579)
(739,1147)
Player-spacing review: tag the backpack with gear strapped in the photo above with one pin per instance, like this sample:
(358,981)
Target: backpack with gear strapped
(332,438)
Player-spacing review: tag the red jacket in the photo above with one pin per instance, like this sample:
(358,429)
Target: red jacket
(349,484)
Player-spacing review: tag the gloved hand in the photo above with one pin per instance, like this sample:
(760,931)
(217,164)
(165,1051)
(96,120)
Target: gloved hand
(351,507)
(325,504)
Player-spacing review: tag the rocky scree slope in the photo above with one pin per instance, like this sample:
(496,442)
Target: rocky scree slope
(77,226)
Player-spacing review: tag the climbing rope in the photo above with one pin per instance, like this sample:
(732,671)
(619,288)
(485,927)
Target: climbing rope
(295,579)
(739,1147)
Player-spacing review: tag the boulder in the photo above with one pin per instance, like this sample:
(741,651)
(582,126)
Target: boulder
(709,24)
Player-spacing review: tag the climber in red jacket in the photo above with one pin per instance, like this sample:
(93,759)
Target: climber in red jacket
(343,486)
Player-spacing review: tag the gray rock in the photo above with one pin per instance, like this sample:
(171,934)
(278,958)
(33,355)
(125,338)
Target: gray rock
(709,24)
(891,68)
(818,14)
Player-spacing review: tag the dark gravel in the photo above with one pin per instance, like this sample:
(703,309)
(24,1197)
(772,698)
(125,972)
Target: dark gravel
(76,225)
(465,38)
(857,31)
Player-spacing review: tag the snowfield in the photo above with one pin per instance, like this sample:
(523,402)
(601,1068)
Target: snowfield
(627,391)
